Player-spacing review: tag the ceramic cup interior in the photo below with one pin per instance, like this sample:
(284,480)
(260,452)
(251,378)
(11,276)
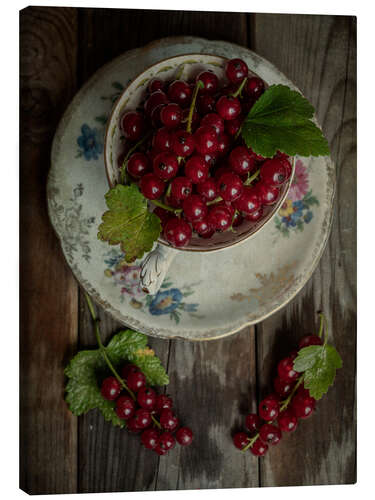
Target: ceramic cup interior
(186,67)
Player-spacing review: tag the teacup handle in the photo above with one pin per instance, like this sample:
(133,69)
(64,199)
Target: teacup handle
(155,267)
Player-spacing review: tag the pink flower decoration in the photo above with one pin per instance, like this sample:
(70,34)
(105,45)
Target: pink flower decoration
(300,184)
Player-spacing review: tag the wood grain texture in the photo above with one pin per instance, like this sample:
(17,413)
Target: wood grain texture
(48,292)
(319,54)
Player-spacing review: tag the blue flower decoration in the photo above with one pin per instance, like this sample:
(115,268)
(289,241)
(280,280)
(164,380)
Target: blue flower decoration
(298,204)
(90,143)
(165,302)
(308,216)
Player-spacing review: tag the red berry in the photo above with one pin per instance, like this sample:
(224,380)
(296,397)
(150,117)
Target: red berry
(168,420)
(287,420)
(162,139)
(309,340)
(171,115)
(110,388)
(156,98)
(270,434)
(206,140)
(269,408)
(224,143)
(212,158)
(165,166)
(149,438)
(219,218)
(128,368)
(184,436)
(259,448)
(164,215)
(215,121)
(206,104)
(180,93)
(228,107)
(142,418)
(182,143)
(203,228)
(208,189)
(154,85)
(166,440)
(236,70)
(173,202)
(160,451)
(253,422)
(268,195)
(136,380)
(209,80)
(146,398)
(196,169)
(155,116)
(257,158)
(138,165)
(230,186)
(273,173)
(254,87)
(151,186)
(177,232)
(240,160)
(302,404)
(283,387)
(194,208)
(240,440)
(125,407)
(248,201)
(163,402)
(132,125)
(286,371)
(255,216)
(181,188)
(237,219)
(233,126)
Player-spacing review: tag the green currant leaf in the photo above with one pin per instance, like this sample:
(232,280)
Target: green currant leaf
(280,120)
(319,364)
(88,368)
(128,222)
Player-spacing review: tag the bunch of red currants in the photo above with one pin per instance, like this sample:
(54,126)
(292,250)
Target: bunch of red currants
(185,150)
(145,411)
(280,411)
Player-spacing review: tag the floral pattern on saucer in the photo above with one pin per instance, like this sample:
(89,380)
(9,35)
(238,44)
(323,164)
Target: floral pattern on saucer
(168,301)
(90,143)
(296,211)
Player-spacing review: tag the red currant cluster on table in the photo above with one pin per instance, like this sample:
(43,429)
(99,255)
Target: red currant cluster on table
(280,411)
(145,411)
(185,150)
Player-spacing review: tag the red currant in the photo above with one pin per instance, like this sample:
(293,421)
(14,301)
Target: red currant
(228,107)
(209,80)
(287,420)
(162,140)
(146,398)
(309,340)
(254,87)
(208,189)
(194,208)
(149,438)
(233,126)
(268,195)
(196,169)
(206,140)
(230,186)
(270,434)
(259,448)
(181,188)
(125,407)
(165,166)
(203,228)
(206,104)
(166,440)
(255,216)
(156,98)
(135,381)
(219,218)
(240,440)
(154,85)
(269,408)
(183,143)
(240,160)
(248,201)
(253,422)
(132,125)
(110,388)
(215,121)
(164,215)
(223,144)
(142,418)
(236,70)
(138,165)
(177,232)
(273,173)
(180,93)
(302,403)
(286,371)
(283,387)
(151,186)
(184,436)
(168,420)
(163,402)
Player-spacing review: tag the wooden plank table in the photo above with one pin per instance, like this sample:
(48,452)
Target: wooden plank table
(214,384)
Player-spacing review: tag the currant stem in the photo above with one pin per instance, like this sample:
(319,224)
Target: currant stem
(251,442)
(216,200)
(238,133)
(198,85)
(252,178)
(286,402)
(180,72)
(103,349)
(166,207)
(130,152)
(239,90)
(155,422)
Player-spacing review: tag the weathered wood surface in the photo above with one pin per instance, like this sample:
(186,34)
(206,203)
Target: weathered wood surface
(48,298)
(214,384)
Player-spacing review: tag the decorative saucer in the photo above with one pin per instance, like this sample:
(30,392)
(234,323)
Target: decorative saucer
(204,296)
